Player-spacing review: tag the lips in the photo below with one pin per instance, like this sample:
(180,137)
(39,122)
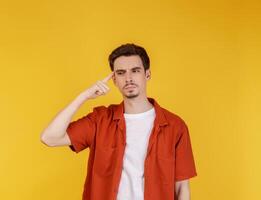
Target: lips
(130,86)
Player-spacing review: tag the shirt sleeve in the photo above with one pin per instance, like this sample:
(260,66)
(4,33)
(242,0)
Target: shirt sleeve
(82,131)
(185,165)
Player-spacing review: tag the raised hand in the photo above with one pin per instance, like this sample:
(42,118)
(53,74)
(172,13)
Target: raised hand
(99,88)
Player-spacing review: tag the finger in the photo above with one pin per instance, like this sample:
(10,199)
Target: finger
(103,84)
(105,89)
(97,88)
(101,87)
(98,92)
(108,77)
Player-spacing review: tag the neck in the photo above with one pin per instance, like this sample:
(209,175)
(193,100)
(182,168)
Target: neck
(137,105)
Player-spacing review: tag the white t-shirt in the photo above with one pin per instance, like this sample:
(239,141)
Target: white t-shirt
(138,130)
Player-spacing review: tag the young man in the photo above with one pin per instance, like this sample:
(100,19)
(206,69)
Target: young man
(138,150)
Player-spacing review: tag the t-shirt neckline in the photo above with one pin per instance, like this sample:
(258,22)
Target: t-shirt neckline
(137,115)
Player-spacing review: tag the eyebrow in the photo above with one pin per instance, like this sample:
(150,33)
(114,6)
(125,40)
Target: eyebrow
(120,70)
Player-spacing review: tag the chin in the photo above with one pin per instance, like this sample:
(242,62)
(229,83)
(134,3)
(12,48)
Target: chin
(131,96)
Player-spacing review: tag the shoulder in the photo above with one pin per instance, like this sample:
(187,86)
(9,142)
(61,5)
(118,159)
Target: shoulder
(103,108)
(105,111)
(100,109)
(177,124)
(174,119)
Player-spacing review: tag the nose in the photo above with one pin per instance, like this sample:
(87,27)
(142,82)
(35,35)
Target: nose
(128,77)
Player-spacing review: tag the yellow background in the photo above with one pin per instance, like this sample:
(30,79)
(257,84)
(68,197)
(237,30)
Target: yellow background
(205,62)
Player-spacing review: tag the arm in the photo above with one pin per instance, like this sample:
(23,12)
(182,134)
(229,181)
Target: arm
(182,190)
(185,165)
(55,133)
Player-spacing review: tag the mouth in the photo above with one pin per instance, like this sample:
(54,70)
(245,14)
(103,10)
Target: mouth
(130,86)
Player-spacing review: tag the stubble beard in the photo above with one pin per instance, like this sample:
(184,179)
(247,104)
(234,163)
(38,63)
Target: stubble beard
(130,95)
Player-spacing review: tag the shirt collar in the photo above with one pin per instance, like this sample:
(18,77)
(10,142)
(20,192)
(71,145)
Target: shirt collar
(160,117)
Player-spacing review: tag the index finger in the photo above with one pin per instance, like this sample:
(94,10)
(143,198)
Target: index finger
(108,77)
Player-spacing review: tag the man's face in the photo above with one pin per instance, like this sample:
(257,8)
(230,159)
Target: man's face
(129,76)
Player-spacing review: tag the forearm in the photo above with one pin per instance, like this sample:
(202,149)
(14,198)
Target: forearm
(182,190)
(183,194)
(57,127)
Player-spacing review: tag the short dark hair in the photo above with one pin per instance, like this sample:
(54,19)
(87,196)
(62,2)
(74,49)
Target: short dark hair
(129,49)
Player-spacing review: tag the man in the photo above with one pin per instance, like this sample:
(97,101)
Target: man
(138,150)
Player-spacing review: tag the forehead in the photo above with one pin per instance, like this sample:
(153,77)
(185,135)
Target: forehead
(127,62)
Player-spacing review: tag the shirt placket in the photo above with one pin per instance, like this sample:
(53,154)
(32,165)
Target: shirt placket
(122,145)
(152,140)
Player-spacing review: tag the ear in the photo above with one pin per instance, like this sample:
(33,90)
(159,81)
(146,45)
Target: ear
(114,78)
(148,74)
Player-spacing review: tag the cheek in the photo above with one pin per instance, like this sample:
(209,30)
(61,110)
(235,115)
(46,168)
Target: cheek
(119,82)
(142,80)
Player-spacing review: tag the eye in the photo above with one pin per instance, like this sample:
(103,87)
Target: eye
(136,70)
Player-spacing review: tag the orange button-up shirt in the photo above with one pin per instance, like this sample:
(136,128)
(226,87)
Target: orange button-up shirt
(169,154)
